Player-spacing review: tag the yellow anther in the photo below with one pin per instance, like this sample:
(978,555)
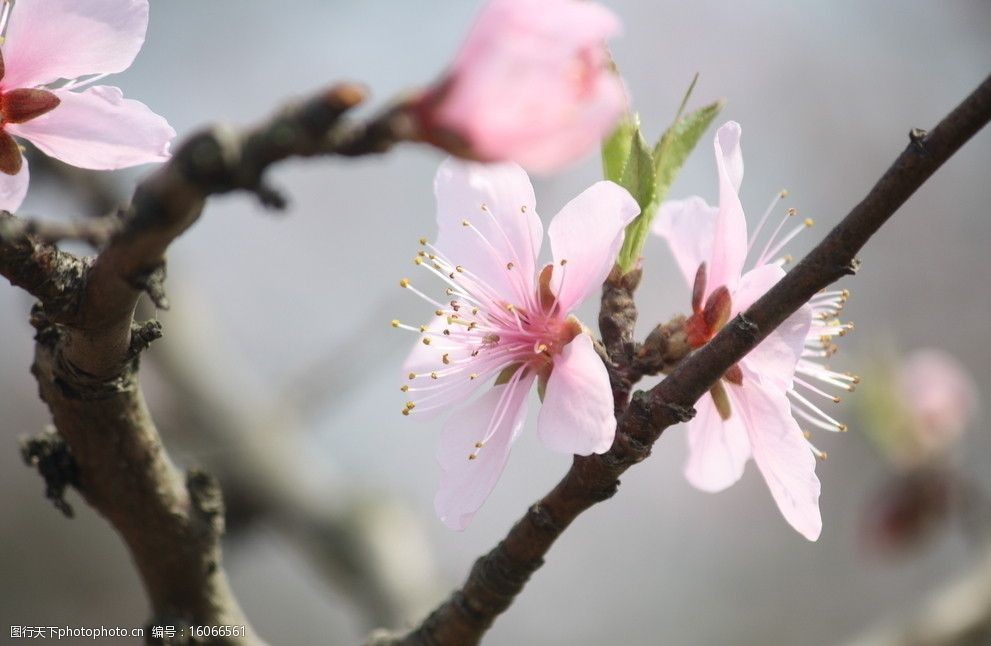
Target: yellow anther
(439,312)
(472,456)
(792,211)
(406,412)
(564,261)
(404,388)
(784,193)
(446,359)
(395,323)
(510,307)
(465,223)
(473,376)
(433,375)
(418,260)
(426,341)
(541,348)
(484,207)
(843,428)
(809,222)
(472,325)
(404,282)
(459,269)
(479,445)
(410,405)
(423,241)
(423,328)
(412,376)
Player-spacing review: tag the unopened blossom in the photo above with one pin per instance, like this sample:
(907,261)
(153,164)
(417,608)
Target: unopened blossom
(939,395)
(53,51)
(752,411)
(532,83)
(503,322)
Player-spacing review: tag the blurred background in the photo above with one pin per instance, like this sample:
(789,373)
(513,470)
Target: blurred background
(279,370)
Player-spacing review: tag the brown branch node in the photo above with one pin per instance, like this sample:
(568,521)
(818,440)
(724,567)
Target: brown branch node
(50,455)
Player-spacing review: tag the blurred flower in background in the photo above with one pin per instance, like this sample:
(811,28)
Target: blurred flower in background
(533,83)
(916,410)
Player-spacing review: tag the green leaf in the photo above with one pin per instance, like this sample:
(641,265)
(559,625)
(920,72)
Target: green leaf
(678,142)
(668,157)
(639,178)
(616,149)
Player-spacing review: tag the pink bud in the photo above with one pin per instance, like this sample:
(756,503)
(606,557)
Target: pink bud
(939,396)
(532,83)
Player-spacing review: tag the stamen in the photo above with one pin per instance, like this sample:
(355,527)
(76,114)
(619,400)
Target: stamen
(782,194)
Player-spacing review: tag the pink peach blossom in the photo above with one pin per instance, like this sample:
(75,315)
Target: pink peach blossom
(505,318)
(78,41)
(939,396)
(751,412)
(533,84)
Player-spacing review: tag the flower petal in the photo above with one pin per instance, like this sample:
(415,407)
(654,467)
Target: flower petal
(99,129)
(498,202)
(586,235)
(718,449)
(782,454)
(689,227)
(533,83)
(576,416)
(778,354)
(729,245)
(464,483)
(49,40)
(13,188)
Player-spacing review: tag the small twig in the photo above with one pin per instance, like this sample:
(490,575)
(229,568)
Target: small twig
(96,232)
(497,577)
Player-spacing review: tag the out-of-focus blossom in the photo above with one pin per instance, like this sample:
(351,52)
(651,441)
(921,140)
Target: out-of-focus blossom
(54,50)
(939,396)
(532,83)
(752,411)
(504,318)
(916,409)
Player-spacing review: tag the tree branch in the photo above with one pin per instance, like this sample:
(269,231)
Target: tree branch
(87,347)
(497,577)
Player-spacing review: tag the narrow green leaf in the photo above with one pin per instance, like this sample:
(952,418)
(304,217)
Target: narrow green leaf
(616,149)
(678,142)
(639,178)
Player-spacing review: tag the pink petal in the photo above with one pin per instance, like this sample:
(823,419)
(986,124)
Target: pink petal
(587,235)
(729,246)
(939,394)
(718,449)
(99,129)
(533,83)
(464,483)
(778,354)
(507,231)
(689,227)
(576,416)
(49,40)
(13,188)
(782,454)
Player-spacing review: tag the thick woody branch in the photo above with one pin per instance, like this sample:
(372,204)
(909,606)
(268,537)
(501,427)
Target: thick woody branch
(500,575)
(88,344)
